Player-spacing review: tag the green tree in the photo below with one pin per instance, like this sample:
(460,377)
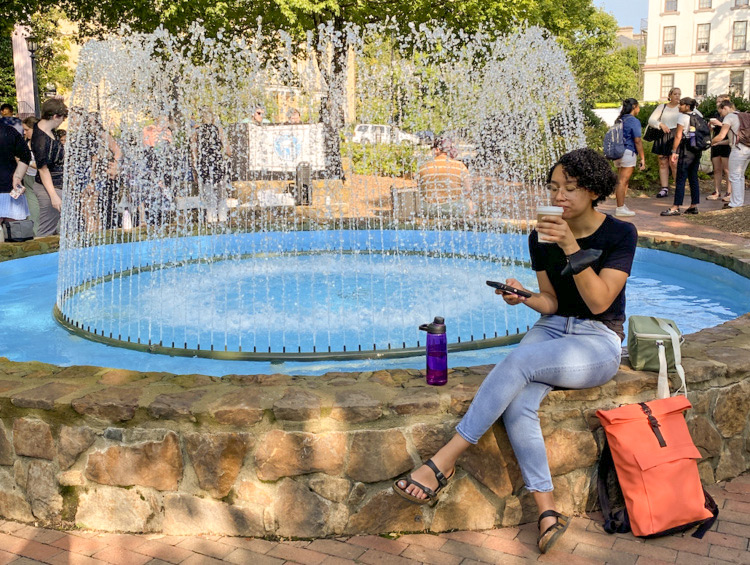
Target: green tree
(7,73)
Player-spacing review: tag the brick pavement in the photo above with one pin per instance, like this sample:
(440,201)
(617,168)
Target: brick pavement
(584,544)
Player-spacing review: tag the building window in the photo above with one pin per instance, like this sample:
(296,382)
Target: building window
(701,84)
(740,3)
(667,82)
(704,4)
(704,34)
(670,5)
(737,83)
(670,36)
(739,36)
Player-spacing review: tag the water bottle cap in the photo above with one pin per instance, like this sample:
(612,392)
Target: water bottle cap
(439,320)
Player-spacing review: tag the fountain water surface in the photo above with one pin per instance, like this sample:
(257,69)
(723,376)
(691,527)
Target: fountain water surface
(207,233)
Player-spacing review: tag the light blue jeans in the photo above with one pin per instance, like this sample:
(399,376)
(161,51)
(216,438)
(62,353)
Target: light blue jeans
(556,352)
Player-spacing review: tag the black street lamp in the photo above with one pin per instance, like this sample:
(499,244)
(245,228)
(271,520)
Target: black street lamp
(32,44)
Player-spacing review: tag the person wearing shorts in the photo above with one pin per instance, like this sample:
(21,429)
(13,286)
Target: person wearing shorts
(631,133)
(719,154)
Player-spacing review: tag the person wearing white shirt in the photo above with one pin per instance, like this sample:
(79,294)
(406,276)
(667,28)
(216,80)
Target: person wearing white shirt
(740,155)
(664,117)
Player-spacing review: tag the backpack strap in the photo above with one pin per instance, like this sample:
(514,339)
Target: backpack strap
(706,525)
(618,521)
(676,342)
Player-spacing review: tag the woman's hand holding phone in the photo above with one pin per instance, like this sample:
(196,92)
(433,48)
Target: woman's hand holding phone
(511,298)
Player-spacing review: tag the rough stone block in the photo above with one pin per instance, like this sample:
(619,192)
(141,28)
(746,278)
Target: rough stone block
(189,515)
(258,493)
(297,405)
(42,491)
(114,404)
(420,401)
(175,406)
(42,397)
(33,438)
(5,386)
(119,377)
(73,442)
(461,397)
(383,378)
(238,408)
(195,380)
(377,455)
(217,459)
(386,512)
(355,407)
(463,507)
(151,464)
(286,454)
(300,512)
(732,408)
(700,371)
(630,383)
(732,462)
(705,436)
(6,449)
(488,465)
(116,509)
(72,478)
(568,450)
(330,488)
(429,438)
(13,504)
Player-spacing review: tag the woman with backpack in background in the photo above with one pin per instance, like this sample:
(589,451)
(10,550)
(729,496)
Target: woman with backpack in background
(687,156)
(631,134)
(664,118)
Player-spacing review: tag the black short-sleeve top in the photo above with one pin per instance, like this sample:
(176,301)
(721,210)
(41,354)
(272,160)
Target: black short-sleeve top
(617,240)
(49,152)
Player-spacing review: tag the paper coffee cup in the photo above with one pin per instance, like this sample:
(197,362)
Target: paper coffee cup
(542,211)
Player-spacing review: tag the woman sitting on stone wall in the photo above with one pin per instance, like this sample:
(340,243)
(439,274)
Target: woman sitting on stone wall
(581,271)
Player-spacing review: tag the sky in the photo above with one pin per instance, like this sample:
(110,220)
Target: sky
(627,12)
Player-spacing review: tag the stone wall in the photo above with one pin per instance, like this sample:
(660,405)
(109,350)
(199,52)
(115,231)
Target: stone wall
(279,455)
(259,455)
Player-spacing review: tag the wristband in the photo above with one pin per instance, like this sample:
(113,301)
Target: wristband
(580,261)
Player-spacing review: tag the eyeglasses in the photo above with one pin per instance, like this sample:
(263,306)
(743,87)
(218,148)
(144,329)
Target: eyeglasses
(569,189)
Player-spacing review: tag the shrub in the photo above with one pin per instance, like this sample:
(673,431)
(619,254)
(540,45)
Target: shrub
(381,159)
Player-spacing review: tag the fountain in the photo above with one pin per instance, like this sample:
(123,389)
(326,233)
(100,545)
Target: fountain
(304,244)
(286,240)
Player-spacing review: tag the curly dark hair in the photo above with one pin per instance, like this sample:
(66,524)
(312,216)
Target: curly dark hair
(590,171)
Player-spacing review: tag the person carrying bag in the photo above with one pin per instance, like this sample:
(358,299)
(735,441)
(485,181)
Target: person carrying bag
(663,122)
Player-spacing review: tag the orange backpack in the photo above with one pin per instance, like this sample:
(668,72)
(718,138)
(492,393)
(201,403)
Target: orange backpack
(657,470)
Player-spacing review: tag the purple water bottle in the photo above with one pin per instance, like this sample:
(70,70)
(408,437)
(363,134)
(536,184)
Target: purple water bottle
(437,352)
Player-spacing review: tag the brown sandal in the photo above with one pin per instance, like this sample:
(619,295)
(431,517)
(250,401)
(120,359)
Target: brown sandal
(551,535)
(432,496)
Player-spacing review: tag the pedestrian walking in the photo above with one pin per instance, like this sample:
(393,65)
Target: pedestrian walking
(631,134)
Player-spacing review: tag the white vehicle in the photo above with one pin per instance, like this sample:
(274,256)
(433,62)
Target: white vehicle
(380,133)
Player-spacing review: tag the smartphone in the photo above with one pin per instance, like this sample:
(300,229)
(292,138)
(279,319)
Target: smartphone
(505,288)
(17,191)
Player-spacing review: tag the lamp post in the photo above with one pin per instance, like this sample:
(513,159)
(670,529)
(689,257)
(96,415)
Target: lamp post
(32,44)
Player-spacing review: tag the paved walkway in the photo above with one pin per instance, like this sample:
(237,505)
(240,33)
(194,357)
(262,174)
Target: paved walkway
(585,543)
